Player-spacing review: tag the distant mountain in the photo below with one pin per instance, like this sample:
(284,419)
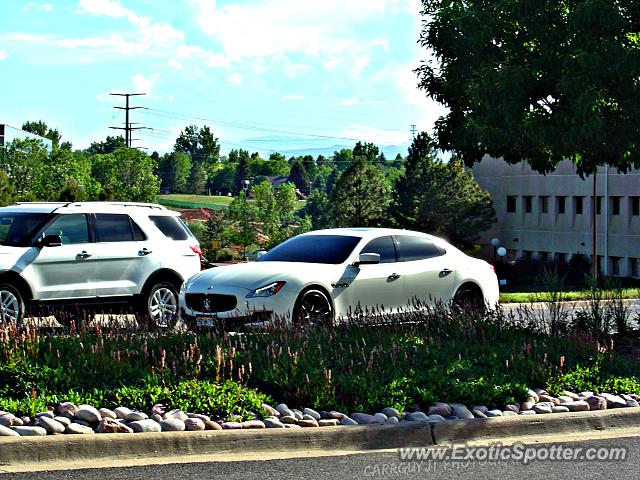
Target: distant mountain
(297,146)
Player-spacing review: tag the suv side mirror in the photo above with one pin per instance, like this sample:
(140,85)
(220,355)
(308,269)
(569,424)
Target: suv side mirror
(51,241)
(367,258)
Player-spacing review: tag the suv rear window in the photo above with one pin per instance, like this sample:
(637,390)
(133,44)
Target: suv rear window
(112,227)
(170,226)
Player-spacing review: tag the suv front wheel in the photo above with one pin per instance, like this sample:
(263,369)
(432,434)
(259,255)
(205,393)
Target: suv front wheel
(11,304)
(161,304)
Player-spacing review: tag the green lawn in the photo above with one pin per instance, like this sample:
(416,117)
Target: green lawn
(570,295)
(194,201)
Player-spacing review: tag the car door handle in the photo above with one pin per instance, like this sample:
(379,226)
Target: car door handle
(393,276)
(444,273)
(83,254)
(144,252)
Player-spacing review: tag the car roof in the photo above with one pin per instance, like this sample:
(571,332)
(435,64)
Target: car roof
(96,206)
(369,232)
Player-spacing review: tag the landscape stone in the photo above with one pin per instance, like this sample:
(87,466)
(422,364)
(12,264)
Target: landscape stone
(512,407)
(135,416)
(281,407)
(480,408)
(586,394)
(175,413)
(571,395)
(336,415)
(287,412)
(88,414)
(527,404)
(231,425)
(365,418)
(439,408)
(67,409)
(145,426)
(211,425)
(494,413)
(392,412)
(254,424)
(532,395)
(416,417)
(194,425)
(156,417)
(308,423)
(202,417)
(308,417)
(596,403)
(613,401)
(48,414)
(461,411)
(63,420)
(565,399)
(109,425)
(106,413)
(288,420)
(52,426)
(274,423)
(548,398)
(77,429)
(30,431)
(381,415)
(392,420)
(577,406)
(543,407)
(6,419)
(122,412)
(527,412)
(347,421)
(270,410)
(329,422)
(509,413)
(298,414)
(434,417)
(311,412)
(559,409)
(172,425)
(478,414)
(632,403)
(292,425)
(8,432)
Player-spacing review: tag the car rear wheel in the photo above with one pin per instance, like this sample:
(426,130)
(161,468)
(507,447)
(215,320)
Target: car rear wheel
(162,304)
(468,300)
(11,304)
(313,307)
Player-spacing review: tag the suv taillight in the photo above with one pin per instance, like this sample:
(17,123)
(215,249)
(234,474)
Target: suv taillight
(196,249)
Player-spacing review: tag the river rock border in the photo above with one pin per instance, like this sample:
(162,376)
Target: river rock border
(68,418)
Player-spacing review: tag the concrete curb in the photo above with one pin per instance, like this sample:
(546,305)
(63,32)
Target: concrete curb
(16,451)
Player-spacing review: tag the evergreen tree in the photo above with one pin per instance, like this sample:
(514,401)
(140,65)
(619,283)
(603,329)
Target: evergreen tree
(299,177)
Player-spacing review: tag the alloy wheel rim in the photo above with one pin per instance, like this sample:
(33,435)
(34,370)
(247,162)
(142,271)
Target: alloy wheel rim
(163,306)
(9,306)
(314,308)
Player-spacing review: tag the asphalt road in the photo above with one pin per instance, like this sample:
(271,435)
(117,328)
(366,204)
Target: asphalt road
(376,465)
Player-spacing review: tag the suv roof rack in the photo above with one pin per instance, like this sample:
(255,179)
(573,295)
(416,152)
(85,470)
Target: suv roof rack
(118,204)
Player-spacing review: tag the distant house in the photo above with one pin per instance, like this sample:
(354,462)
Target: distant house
(277,181)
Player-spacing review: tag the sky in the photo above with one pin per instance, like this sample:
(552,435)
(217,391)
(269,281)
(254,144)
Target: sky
(264,75)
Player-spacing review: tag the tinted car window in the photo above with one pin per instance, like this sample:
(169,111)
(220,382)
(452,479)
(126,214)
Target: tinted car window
(384,246)
(71,228)
(112,227)
(417,248)
(170,226)
(17,229)
(332,249)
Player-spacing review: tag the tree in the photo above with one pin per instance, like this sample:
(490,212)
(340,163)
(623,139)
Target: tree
(409,189)
(298,176)
(110,145)
(275,211)
(41,129)
(366,150)
(318,209)
(25,164)
(361,196)
(7,191)
(536,81)
(243,172)
(127,175)
(204,150)
(174,169)
(243,215)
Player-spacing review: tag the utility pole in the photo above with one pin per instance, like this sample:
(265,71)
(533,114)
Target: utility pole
(127,125)
(413,131)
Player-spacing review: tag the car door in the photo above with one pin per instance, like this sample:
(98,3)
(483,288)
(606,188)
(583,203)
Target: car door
(427,270)
(67,270)
(377,286)
(124,257)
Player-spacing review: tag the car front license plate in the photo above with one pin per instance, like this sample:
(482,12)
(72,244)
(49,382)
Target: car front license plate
(205,322)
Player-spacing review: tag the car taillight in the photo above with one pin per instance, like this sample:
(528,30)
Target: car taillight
(493,269)
(196,249)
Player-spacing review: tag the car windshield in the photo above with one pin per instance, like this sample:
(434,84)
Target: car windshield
(17,228)
(332,249)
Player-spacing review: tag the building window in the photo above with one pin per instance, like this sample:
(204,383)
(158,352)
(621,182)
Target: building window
(615,266)
(561,204)
(528,201)
(511,203)
(578,205)
(543,256)
(633,267)
(561,258)
(635,206)
(544,204)
(598,205)
(615,205)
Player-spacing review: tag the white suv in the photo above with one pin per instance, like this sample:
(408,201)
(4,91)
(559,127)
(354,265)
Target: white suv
(96,252)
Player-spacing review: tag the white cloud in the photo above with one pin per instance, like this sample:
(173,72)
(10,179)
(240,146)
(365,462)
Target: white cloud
(43,7)
(347,102)
(106,8)
(3,55)
(142,84)
(235,79)
(292,70)
(292,97)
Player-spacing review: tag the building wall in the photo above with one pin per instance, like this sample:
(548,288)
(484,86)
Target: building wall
(540,233)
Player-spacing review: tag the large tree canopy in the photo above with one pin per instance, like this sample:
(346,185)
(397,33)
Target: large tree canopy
(538,81)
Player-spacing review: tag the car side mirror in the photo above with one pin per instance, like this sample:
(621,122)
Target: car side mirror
(367,259)
(51,241)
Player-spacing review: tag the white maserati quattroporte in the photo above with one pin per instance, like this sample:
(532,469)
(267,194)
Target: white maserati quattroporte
(328,275)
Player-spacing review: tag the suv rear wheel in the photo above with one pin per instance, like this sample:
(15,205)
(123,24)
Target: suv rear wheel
(11,304)
(161,304)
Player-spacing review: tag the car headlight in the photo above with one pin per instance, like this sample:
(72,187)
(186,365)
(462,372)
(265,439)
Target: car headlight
(267,290)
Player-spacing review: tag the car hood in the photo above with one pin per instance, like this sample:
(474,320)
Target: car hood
(257,274)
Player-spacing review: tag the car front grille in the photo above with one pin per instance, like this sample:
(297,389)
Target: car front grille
(210,303)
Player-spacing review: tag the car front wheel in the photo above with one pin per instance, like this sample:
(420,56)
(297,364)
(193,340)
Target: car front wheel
(162,304)
(313,306)
(468,301)
(11,304)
